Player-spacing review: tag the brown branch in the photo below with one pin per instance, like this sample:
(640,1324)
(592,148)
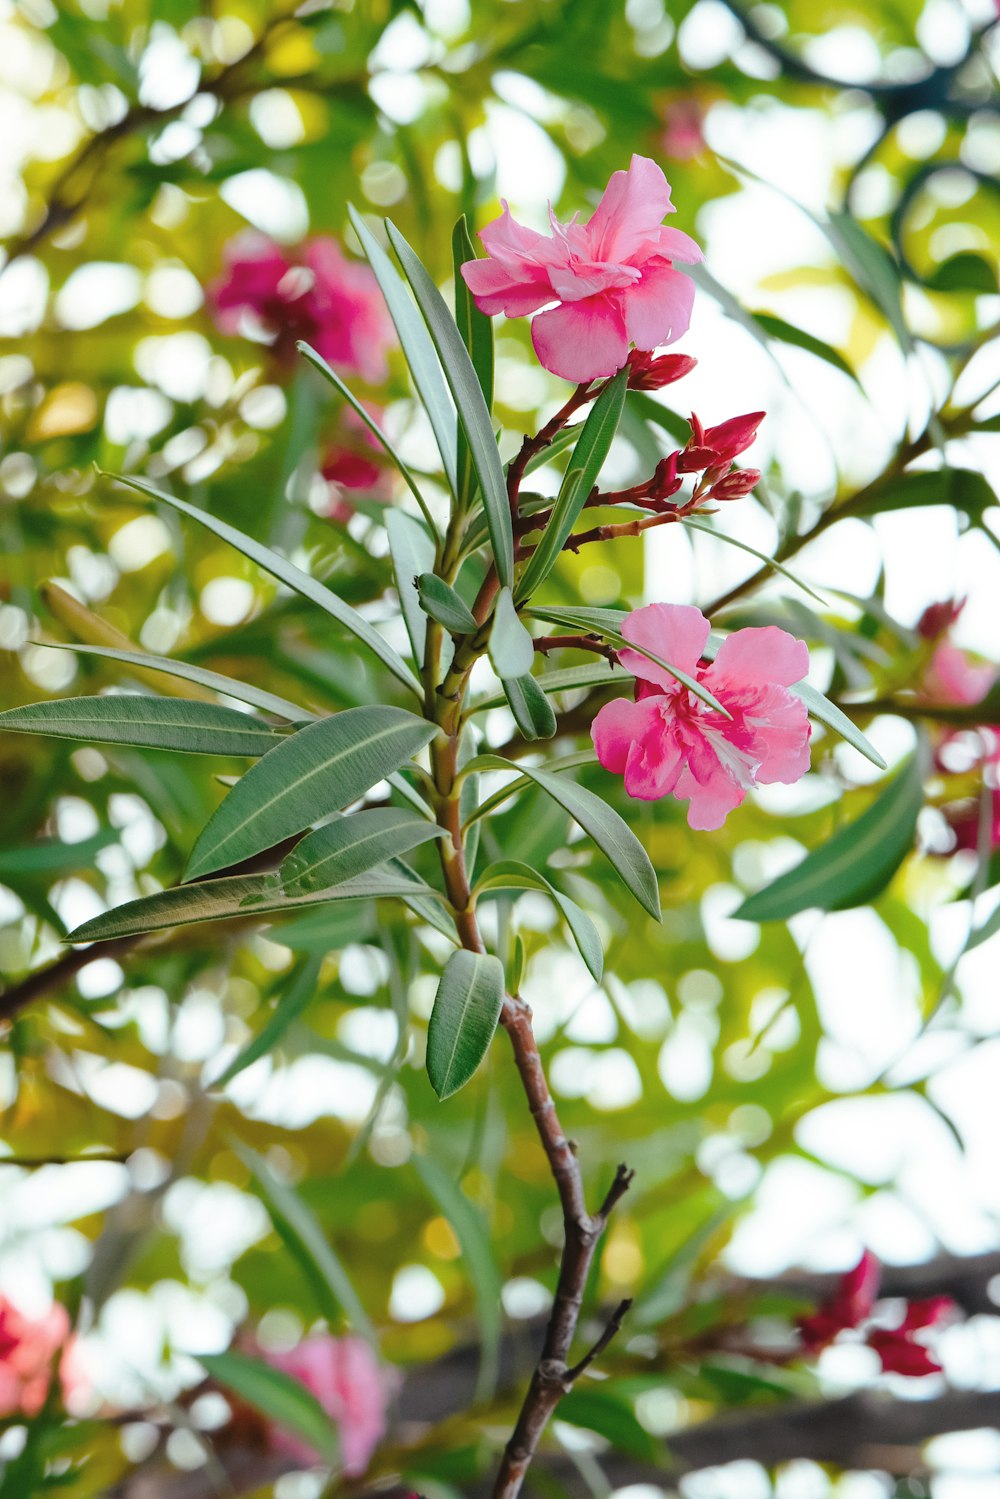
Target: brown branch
(546,643)
(610,1332)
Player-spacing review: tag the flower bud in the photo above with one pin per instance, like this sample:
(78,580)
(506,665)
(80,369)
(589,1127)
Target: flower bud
(734,436)
(649,373)
(938,618)
(735,485)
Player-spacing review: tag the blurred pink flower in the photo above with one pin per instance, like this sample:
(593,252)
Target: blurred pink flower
(954,678)
(899,1349)
(853,1302)
(670,743)
(313,293)
(347,464)
(345,1377)
(28,1349)
(683,121)
(612,278)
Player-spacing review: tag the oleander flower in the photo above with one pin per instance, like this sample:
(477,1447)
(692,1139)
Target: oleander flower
(612,279)
(670,743)
(313,293)
(29,1349)
(851,1304)
(351,462)
(346,1379)
(900,1348)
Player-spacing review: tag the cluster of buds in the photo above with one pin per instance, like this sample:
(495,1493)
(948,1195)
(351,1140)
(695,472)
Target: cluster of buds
(899,1348)
(710,452)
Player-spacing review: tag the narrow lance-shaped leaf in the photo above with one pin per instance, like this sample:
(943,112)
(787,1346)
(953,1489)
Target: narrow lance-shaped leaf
(565,679)
(296,993)
(306,1240)
(350,846)
(472,409)
(425,369)
(248,896)
(532,710)
(465,1015)
(855,864)
(445,604)
(412,552)
(477,335)
(319,770)
(158,666)
(511,648)
(584,468)
(278,1396)
(168,723)
(787,333)
(612,835)
(320,364)
(509,874)
(300,582)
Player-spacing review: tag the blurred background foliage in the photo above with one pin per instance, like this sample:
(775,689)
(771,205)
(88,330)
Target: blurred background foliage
(718,1058)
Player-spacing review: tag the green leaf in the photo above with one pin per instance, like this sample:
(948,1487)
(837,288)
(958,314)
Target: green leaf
(465,1015)
(303,1236)
(48,856)
(872,267)
(857,862)
(417,346)
(320,364)
(657,415)
(412,553)
(168,723)
(350,846)
(532,710)
(473,412)
(509,874)
(965,271)
(243,692)
(317,771)
(562,440)
(439,600)
(612,835)
(962,489)
(285,1400)
(298,991)
(611,1417)
(478,1260)
(787,333)
(579,479)
(511,648)
(248,896)
(476,330)
(289,574)
(828,713)
(744,546)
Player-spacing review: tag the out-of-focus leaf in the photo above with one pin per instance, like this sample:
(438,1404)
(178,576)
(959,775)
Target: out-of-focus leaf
(288,573)
(532,710)
(425,369)
(246,895)
(579,479)
(412,553)
(512,651)
(473,412)
(857,862)
(744,546)
(477,335)
(611,1417)
(873,268)
(443,603)
(284,1400)
(465,1015)
(306,1241)
(479,1260)
(317,771)
(215,681)
(509,874)
(962,488)
(50,857)
(167,723)
(965,271)
(612,835)
(350,846)
(298,991)
(787,333)
(569,678)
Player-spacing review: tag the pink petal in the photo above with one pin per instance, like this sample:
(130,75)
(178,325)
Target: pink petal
(676,632)
(633,204)
(677,245)
(582,340)
(495,288)
(953,678)
(617,725)
(518,249)
(782,738)
(758,657)
(658,308)
(709,802)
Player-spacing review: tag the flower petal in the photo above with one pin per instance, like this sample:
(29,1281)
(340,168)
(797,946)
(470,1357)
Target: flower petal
(495,288)
(658,308)
(633,204)
(677,632)
(759,657)
(582,341)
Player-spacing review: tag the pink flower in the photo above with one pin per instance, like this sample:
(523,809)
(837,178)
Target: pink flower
(648,373)
(346,1379)
(851,1304)
(669,743)
(612,278)
(28,1349)
(683,119)
(954,678)
(351,463)
(312,293)
(899,1349)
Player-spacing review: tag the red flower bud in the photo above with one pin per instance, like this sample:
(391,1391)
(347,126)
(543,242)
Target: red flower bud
(696,457)
(927,1313)
(901,1355)
(937,619)
(649,373)
(735,485)
(733,437)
